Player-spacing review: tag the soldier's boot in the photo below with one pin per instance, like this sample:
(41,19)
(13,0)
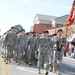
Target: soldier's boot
(26,61)
(4,59)
(19,61)
(9,60)
(38,70)
(58,69)
(54,69)
(16,61)
(46,72)
(29,62)
(51,68)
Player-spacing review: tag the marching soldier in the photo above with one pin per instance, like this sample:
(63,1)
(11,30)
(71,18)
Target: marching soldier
(21,43)
(58,49)
(44,51)
(15,53)
(51,64)
(10,43)
(31,46)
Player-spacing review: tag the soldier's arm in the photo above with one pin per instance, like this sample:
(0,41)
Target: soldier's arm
(64,41)
(28,42)
(18,40)
(51,47)
(37,42)
(6,39)
(15,40)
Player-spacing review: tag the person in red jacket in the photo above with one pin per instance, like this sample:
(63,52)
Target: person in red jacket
(71,17)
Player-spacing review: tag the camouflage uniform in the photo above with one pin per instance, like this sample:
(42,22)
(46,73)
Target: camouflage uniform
(44,51)
(31,44)
(58,50)
(10,42)
(21,43)
(3,50)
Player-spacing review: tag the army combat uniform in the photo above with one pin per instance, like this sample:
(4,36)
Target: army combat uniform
(10,42)
(21,43)
(44,52)
(58,52)
(31,45)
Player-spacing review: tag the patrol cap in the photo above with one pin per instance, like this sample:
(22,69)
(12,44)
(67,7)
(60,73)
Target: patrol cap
(45,31)
(60,30)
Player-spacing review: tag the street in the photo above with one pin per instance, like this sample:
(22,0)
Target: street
(67,68)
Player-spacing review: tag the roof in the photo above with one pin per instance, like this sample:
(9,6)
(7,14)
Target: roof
(41,18)
(45,17)
(62,18)
(71,38)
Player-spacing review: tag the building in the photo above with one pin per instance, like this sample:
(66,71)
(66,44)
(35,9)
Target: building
(59,21)
(46,22)
(42,22)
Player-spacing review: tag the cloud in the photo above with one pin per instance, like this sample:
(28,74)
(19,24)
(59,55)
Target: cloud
(58,6)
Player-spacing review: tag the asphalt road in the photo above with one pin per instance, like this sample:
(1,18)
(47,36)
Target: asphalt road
(67,68)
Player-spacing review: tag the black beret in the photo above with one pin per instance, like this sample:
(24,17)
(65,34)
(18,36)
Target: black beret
(34,32)
(27,33)
(12,27)
(22,30)
(19,31)
(45,31)
(60,30)
(54,34)
(30,32)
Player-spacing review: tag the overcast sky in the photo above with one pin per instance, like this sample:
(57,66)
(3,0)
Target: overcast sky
(22,12)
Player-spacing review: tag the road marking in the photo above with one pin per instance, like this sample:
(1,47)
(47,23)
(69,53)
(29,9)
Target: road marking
(3,67)
(8,69)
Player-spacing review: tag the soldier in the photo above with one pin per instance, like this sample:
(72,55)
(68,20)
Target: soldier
(44,51)
(51,64)
(31,45)
(4,51)
(15,53)
(10,42)
(59,43)
(21,43)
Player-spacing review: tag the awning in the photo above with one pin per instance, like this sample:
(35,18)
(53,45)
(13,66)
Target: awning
(71,38)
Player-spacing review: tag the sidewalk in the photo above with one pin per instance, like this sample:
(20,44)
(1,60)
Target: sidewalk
(69,57)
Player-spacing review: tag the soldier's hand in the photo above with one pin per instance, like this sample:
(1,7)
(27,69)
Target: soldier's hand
(26,49)
(2,46)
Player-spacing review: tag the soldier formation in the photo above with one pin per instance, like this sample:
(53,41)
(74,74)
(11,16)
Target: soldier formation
(29,47)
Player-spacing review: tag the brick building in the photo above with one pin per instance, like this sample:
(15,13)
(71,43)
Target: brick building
(42,22)
(46,22)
